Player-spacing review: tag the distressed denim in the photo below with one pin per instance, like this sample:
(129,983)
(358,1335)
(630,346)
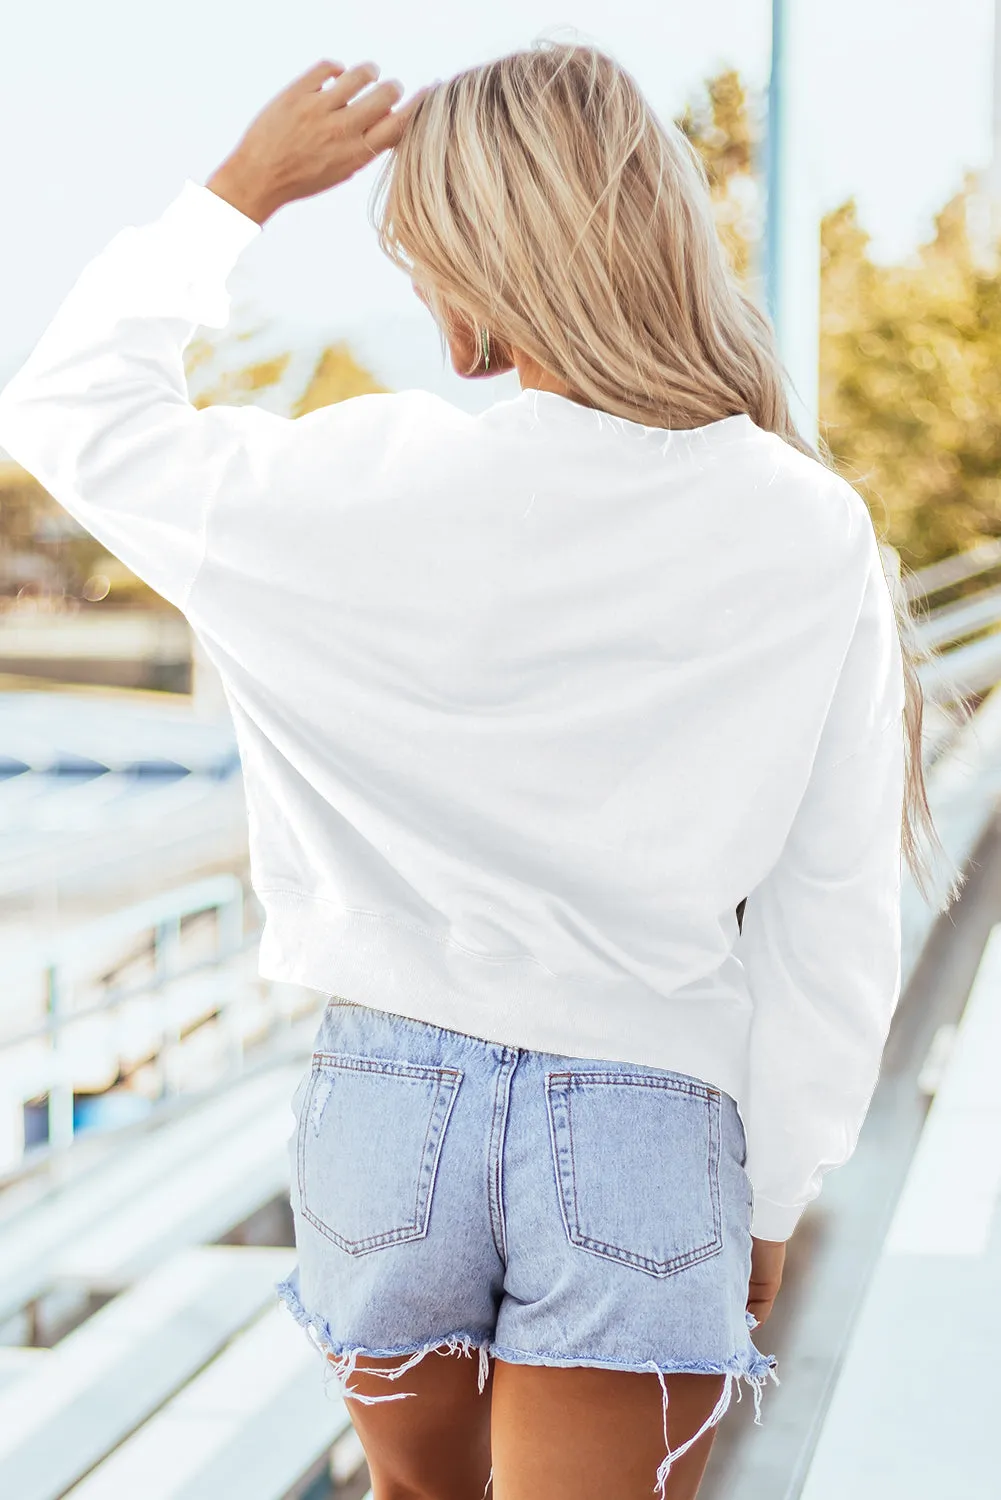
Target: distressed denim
(543,1209)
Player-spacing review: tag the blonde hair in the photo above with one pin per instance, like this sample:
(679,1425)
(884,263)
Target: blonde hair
(539,196)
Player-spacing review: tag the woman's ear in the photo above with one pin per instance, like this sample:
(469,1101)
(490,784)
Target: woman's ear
(499,352)
(467,352)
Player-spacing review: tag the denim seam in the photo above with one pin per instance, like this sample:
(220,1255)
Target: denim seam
(419,1189)
(357,1063)
(714,1109)
(638,1080)
(498,1131)
(402,1234)
(660,1269)
(305,1114)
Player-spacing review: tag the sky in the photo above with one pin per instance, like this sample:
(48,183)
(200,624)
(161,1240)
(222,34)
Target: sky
(107,107)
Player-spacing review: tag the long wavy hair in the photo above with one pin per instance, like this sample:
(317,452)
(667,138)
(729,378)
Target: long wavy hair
(538,196)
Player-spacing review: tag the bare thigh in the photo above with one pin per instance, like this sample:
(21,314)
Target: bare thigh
(591,1434)
(567,1434)
(435,1445)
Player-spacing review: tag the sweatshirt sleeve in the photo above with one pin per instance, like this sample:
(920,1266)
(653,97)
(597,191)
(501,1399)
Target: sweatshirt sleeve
(100,414)
(820,940)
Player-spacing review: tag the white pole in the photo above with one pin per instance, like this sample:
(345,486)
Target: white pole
(793,213)
(984,207)
(992,177)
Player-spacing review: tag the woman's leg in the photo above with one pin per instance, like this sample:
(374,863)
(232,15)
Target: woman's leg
(591,1434)
(566,1434)
(435,1445)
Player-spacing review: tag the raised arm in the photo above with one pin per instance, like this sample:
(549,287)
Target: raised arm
(99,413)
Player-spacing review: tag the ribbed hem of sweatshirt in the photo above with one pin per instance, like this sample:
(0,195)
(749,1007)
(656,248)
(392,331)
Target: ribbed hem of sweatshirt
(775,1221)
(513,1001)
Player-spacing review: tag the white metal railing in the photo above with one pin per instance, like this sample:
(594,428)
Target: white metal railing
(955,569)
(58,963)
(953,622)
(967,667)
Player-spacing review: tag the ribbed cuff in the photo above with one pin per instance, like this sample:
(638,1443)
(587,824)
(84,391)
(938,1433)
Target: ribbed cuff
(208,223)
(774,1221)
(179,263)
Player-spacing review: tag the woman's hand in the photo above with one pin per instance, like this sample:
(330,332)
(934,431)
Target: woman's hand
(309,138)
(767,1261)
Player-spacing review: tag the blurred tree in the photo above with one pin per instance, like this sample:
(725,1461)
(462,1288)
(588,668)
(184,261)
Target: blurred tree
(235,387)
(44,553)
(911,382)
(722,127)
(910,354)
(336,376)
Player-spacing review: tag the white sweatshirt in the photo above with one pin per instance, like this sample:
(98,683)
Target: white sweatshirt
(527,701)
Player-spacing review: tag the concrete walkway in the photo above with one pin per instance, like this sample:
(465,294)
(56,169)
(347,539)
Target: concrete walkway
(915,1406)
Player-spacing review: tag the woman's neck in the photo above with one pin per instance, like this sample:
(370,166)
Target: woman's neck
(534,377)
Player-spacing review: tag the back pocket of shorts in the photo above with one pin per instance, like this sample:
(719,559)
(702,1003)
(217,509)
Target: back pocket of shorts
(370,1135)
(637,1164)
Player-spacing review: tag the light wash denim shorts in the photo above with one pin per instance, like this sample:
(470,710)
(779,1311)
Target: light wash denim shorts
(538,1208)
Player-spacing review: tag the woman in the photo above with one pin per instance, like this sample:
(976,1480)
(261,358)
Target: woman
(529,704)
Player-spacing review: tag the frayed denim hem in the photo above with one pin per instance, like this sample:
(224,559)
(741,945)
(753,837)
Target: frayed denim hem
(342,1360)
(750,1365)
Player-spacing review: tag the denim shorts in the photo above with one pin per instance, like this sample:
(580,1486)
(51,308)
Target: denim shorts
(538,1208)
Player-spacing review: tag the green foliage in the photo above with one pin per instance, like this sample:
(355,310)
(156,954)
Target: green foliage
(911,382)
(910,354)
(722,129)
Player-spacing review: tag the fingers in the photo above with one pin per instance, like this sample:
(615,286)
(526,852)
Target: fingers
(316,76)
(364,112)
(351,82)
(761,1308)
(385,133)
(371,119)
